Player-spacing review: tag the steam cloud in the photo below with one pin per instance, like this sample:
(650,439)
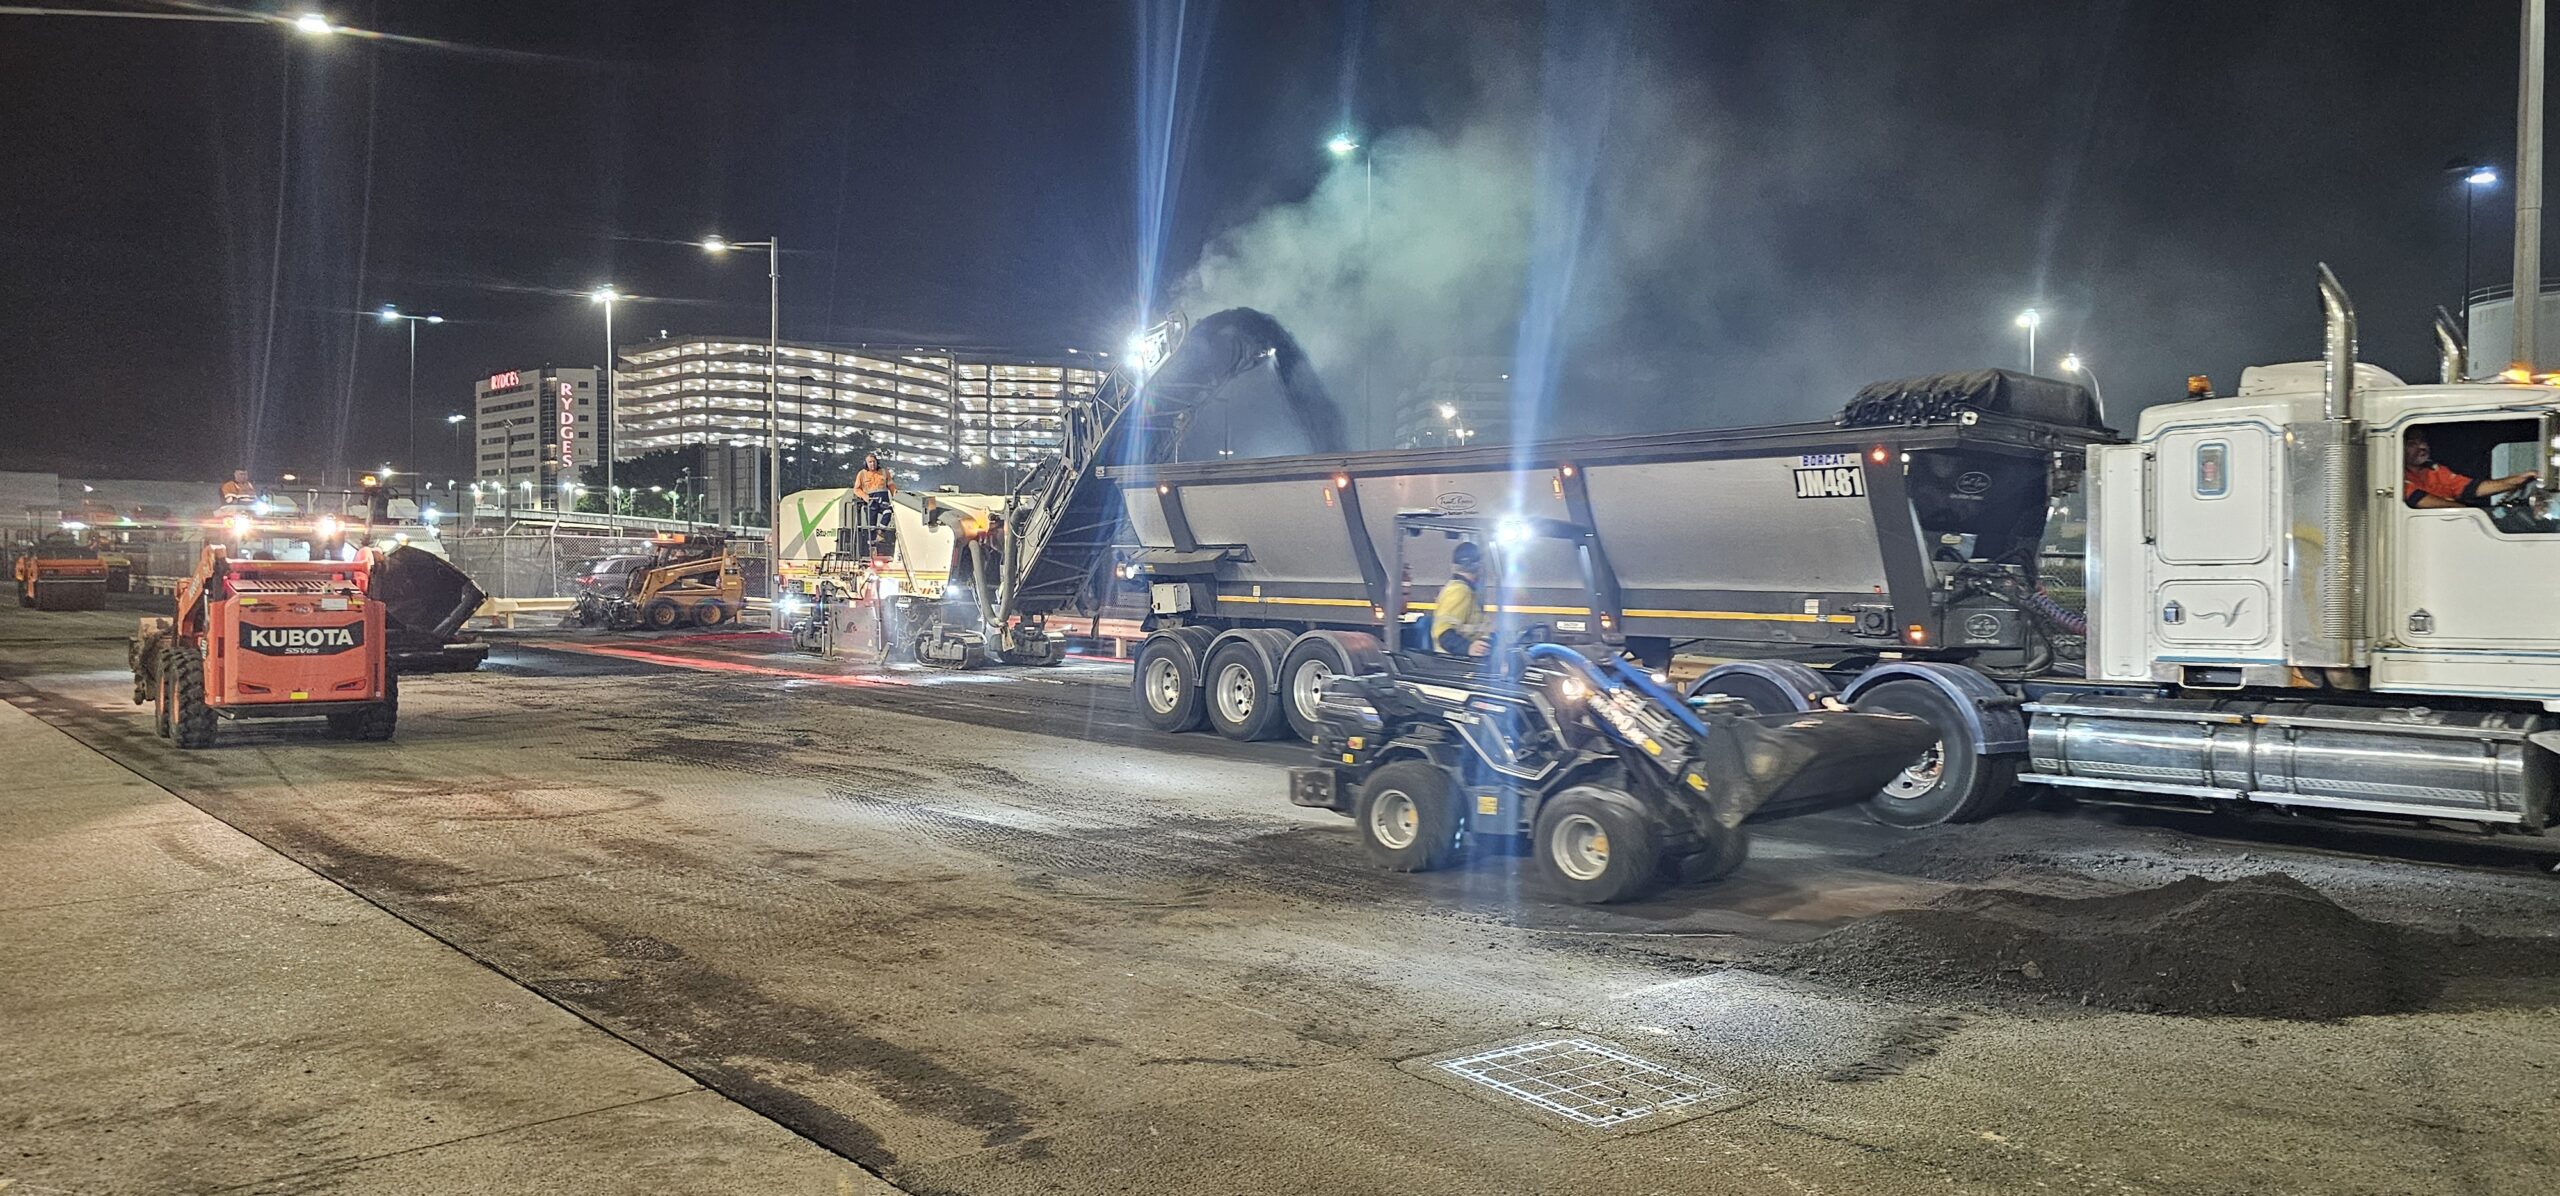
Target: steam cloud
(1653,231)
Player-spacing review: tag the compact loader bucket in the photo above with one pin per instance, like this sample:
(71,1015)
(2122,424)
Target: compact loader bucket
(426,601)
(424,594)
(1782,765)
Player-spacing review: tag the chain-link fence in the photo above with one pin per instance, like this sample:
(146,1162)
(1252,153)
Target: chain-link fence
(536,564)
(546,564)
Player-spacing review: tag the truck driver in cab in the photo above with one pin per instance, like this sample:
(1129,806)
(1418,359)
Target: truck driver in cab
(2428,486)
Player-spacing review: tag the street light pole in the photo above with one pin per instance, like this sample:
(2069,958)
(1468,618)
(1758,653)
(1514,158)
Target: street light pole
(772,247)
(2028,320)
(2071,364)
(605,408)
(2474,176)
(1343,146)
(391,312)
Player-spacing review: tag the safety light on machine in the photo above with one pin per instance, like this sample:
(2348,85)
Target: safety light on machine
(1877,454)
(240,527)
(1511,532)
(1916,634)
(328,527)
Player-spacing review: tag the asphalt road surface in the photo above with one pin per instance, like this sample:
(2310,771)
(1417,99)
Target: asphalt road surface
(987,933)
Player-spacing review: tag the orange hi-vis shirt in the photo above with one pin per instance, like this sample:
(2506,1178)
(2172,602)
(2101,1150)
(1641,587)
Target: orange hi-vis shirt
(874,481)
(2435,480)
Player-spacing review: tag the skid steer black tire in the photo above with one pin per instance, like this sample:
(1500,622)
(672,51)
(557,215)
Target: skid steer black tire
(191,723)
(662,615)
(1723,856)
(1597,846)
(164,691)
(1408,817)
(709,615)
(374,723)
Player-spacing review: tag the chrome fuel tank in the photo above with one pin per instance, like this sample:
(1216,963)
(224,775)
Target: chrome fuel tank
(2474,765)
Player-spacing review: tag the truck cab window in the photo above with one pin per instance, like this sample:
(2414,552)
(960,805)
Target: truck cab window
(2489,466)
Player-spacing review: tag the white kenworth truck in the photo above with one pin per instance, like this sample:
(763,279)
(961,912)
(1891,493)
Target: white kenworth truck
(2270,617)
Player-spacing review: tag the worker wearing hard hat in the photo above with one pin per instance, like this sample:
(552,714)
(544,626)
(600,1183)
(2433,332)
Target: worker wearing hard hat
(1458,623)
(239,489)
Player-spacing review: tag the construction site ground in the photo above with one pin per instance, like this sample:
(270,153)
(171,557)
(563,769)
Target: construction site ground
(691,913)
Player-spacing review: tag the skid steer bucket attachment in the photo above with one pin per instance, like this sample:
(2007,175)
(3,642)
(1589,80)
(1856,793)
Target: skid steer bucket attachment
(1783,765)
(424,594)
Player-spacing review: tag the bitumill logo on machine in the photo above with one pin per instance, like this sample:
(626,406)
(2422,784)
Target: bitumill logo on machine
(302,641)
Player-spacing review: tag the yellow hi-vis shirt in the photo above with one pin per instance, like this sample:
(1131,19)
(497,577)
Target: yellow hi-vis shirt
(1456,610)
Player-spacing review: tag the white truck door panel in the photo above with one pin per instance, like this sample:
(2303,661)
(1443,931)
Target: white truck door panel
(2214,496)
(2460,583)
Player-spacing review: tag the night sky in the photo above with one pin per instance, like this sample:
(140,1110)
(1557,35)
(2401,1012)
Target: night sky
(1785,200)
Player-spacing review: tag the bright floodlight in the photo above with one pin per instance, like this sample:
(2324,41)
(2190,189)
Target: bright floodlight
(1342,146)
(314,24)
(716,244)
(435,319)
(389,313)
(2483,177)
(1448,411)
(2071,363)
(455,418)
(603,295)
(2029,318)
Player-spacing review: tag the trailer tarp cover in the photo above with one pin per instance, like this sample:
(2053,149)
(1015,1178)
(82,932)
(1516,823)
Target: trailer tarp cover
(1938,397)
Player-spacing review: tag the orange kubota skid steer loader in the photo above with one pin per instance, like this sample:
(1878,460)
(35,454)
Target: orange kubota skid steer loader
(269,639)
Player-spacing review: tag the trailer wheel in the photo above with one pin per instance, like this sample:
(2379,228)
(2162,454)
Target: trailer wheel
(374,723)
(1167,685)
(662,615)
(191,723)
(1724,855)
(1239,698)
(1311,662)
(1600,845)
(1954,781)
(1408,817)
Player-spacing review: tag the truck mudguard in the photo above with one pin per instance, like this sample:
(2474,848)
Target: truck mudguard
(1999,729)
(1803,688)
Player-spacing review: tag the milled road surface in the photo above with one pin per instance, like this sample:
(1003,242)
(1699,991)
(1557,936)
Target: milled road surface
(986,933)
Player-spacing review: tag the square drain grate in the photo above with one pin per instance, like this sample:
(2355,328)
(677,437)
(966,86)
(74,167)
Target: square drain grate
(1584,1082)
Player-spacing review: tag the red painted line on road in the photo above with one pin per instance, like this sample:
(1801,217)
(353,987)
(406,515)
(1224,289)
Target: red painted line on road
(714,665)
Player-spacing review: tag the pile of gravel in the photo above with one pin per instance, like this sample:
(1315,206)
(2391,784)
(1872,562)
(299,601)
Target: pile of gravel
(2265,945)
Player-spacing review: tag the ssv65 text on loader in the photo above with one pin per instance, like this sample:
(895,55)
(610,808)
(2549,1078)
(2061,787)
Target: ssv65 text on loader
(269,639)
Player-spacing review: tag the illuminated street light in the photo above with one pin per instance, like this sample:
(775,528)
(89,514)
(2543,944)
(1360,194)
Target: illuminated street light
(612,369)
(2071,364)
(2475,176)
(1448,411)
(391,314)
(2029,320)
(772,247)
(1343,146)
(314,24)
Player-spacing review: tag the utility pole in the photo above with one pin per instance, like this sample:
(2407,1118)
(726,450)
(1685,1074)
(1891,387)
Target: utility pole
(2528,264)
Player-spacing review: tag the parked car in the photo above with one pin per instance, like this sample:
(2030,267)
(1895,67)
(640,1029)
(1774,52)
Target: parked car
(606,574)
